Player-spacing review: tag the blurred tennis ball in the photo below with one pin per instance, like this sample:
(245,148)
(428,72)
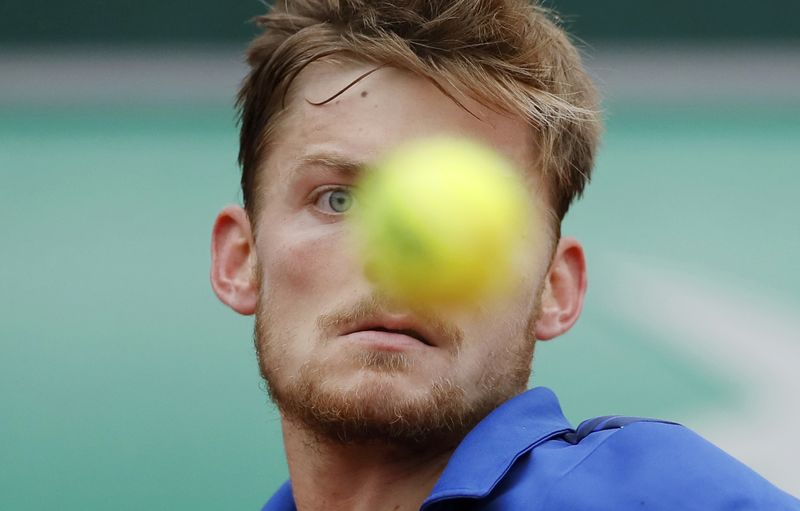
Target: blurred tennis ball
(440,222)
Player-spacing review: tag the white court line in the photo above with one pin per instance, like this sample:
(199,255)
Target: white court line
(754,339)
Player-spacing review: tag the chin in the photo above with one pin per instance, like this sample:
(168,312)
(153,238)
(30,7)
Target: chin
(384,388)
(383,403)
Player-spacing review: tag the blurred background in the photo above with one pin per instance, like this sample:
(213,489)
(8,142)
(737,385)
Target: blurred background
(124,383)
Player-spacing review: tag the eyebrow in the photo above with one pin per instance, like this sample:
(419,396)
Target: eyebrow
(340,164)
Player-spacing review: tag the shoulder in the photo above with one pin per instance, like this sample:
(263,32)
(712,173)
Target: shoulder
(666,466)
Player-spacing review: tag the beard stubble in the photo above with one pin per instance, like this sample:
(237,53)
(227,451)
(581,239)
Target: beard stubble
(437,418)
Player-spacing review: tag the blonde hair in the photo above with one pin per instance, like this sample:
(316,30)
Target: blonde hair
(507,54)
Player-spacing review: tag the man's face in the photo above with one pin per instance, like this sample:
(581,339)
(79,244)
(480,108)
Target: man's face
(328,341)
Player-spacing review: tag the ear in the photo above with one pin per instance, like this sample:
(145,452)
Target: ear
(233,274)
(564,288)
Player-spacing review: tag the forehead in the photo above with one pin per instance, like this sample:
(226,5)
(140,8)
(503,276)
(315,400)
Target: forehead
(386,108)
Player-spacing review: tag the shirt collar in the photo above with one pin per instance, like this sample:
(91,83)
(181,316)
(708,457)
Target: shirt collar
(489,450)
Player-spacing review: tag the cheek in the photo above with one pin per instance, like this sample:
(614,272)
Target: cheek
(501,327)
(500,330)
(301,279)
(308,263)
(299,263)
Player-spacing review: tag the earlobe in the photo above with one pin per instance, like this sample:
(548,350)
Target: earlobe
(233,259)
(563,290)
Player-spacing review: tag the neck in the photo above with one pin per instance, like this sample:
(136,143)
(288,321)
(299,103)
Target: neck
(359,476)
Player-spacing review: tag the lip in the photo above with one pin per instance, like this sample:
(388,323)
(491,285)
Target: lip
(393,332)
(386,340)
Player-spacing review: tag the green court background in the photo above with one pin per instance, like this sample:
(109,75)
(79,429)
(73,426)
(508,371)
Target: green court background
(125,384)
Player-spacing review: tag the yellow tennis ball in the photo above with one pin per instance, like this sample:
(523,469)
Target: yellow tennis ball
(440,222)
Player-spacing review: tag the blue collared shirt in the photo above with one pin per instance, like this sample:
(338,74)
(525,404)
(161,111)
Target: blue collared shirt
(526,456)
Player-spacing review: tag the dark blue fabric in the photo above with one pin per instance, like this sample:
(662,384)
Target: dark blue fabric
(526,456)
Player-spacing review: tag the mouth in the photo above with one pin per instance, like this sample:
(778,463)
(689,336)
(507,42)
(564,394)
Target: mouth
(403,331)
(390,332)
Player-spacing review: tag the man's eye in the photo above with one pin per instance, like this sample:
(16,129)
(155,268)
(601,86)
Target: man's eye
(337,200)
